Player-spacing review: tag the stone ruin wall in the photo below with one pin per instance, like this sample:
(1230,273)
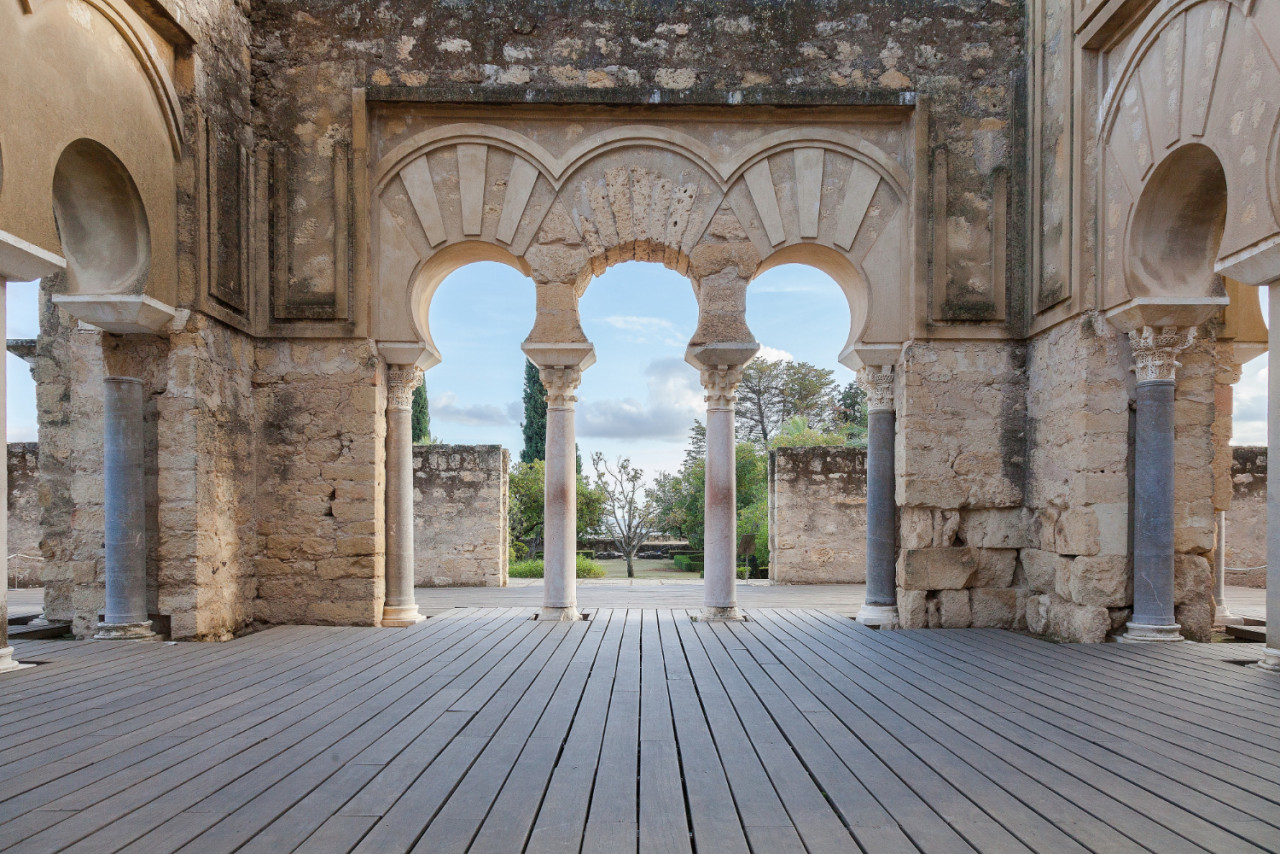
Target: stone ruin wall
(460,506)
(26,564)
(960,462)
(818,515)
(1247,519)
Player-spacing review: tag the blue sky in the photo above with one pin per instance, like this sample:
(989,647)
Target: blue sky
(640,398)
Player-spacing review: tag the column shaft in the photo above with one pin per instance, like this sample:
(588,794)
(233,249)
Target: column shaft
(882,515)
(720,546)
(1271,657)
(1153,507)
(124,511)
(560,547)
(401,608)
(560,498)
(6,651)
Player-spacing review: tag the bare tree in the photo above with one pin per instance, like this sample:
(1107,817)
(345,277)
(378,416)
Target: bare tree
(630,517)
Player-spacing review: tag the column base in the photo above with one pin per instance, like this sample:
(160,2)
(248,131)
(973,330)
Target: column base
(879,616)
(400,616)
(125,631)
(567,614)
(719,613)
(1223,617)
(7,663)
(1143,633)
(1270,662)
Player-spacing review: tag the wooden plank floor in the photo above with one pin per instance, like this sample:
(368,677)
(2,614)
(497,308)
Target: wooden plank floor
(638,730)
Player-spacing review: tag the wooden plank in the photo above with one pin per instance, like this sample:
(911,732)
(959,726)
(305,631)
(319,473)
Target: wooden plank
(562,817)
(1102,775)
(460,817)
(1177,725)
(663,823)
(1130,742)
(516,807)
(611,821)
(759,805)
(167,796)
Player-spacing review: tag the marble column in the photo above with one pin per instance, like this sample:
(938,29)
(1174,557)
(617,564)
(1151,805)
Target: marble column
(124,509)
(7,661)
(881,607)
(1222,615)
(1271,655)
(720,542)
(560,505)
(1155,364)
(400,608)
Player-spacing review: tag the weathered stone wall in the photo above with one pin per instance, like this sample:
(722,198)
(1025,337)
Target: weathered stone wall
(207,482)
(960,462)
(968,59)
(25,561)
(1247,518)
(460,515)
(321,452)
(818,515)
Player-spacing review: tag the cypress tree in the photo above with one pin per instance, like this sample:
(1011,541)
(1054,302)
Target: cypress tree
(421,415)
(534,426)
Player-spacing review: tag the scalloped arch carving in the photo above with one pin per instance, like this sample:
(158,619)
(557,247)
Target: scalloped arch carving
(565,205)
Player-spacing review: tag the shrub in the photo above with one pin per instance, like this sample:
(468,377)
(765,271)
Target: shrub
(519,551)
(589,554)
(526,569)
(534,569)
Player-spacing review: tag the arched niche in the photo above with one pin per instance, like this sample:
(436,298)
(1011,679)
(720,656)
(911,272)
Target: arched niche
(102,222)
(847,277)
(103,74)
(1198,78)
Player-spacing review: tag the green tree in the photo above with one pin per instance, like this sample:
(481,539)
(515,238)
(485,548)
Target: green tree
(534,425)
(421,416)
(526,491)
(774,392)
(686,503)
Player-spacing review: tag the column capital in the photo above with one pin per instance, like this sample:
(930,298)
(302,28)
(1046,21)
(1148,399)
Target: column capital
(877,382)
(721,385)
(402,380)
(1155,351)
(560,384)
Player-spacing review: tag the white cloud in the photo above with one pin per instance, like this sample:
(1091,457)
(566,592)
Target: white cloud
(674,399)
(773,354)
(445,408)
(645,328)
(1249,416)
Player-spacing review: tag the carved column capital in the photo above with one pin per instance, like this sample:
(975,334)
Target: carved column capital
(721,385)
(1155,351)
(877,382)
(560,384)
(401,382)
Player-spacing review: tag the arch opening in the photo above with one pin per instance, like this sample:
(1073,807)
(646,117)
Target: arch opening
(101,221)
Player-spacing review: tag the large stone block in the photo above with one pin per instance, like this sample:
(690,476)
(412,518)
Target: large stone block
(913,610)
(1042,569)
(1072,623)
(954,609)
(994,607)
(955,568)
(1105,580)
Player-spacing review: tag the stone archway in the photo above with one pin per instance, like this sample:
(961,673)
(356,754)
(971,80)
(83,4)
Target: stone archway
(715,196)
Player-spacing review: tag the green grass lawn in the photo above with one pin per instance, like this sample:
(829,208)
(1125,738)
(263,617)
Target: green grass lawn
(646,568)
